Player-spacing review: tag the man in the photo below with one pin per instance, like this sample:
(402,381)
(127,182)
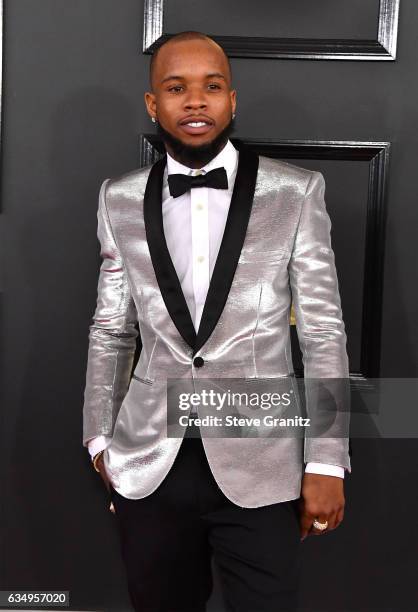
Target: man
(208,265)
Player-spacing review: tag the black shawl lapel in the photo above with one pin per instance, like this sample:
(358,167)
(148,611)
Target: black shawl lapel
(165,271)
(229,251)
(231,245)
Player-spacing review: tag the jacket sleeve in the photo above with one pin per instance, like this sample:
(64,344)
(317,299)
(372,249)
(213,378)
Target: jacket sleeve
(95,445)
(112,336)
(321,331)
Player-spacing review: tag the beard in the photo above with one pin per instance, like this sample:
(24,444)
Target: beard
(196,156)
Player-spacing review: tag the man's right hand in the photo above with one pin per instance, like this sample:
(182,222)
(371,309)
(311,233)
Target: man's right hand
(105,478)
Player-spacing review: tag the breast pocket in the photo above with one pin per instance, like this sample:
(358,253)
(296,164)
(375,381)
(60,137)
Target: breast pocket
(263,256)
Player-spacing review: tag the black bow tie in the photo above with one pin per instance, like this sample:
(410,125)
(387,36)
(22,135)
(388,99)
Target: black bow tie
(180,183)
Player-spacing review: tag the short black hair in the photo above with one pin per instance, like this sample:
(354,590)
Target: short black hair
(180,36)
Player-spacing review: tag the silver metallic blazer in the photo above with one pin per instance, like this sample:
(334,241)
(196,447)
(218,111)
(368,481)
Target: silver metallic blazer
(275,249)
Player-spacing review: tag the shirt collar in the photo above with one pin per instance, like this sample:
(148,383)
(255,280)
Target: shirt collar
(227,158)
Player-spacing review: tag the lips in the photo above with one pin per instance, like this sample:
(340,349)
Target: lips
(196,125)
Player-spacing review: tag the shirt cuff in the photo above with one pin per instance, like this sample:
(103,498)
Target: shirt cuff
(95,445)
(324,468)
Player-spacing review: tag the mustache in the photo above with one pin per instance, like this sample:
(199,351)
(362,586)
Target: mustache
(196,154)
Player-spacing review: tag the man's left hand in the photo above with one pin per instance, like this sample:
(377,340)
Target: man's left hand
(322,498)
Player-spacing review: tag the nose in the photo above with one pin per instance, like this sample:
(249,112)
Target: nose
(195,99)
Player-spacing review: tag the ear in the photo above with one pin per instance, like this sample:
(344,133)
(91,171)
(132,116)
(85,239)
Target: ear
(233,95)
(150,104)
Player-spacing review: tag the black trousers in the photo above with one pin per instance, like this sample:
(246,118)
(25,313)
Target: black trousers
(168,539)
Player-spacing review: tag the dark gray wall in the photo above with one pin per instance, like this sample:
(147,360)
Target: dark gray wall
(74,79)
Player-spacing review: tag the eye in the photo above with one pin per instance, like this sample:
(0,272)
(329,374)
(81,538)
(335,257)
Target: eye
(175,87)
(214,85)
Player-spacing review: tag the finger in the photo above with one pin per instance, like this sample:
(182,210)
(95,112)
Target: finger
(340,516)
(332,522)
(305,525)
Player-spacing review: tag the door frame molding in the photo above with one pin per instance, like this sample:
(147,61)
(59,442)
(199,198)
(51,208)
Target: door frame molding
(383,48)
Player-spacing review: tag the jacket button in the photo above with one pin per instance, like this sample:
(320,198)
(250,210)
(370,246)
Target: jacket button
(198,362)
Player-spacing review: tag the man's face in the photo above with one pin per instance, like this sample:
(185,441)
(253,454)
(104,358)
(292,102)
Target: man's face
(191,84)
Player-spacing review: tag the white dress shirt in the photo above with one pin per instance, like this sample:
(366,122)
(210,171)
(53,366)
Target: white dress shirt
(194,224)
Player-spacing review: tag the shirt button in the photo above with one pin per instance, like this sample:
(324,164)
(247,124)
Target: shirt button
(198,362)
(201,258)
(197,172)
(199,206)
